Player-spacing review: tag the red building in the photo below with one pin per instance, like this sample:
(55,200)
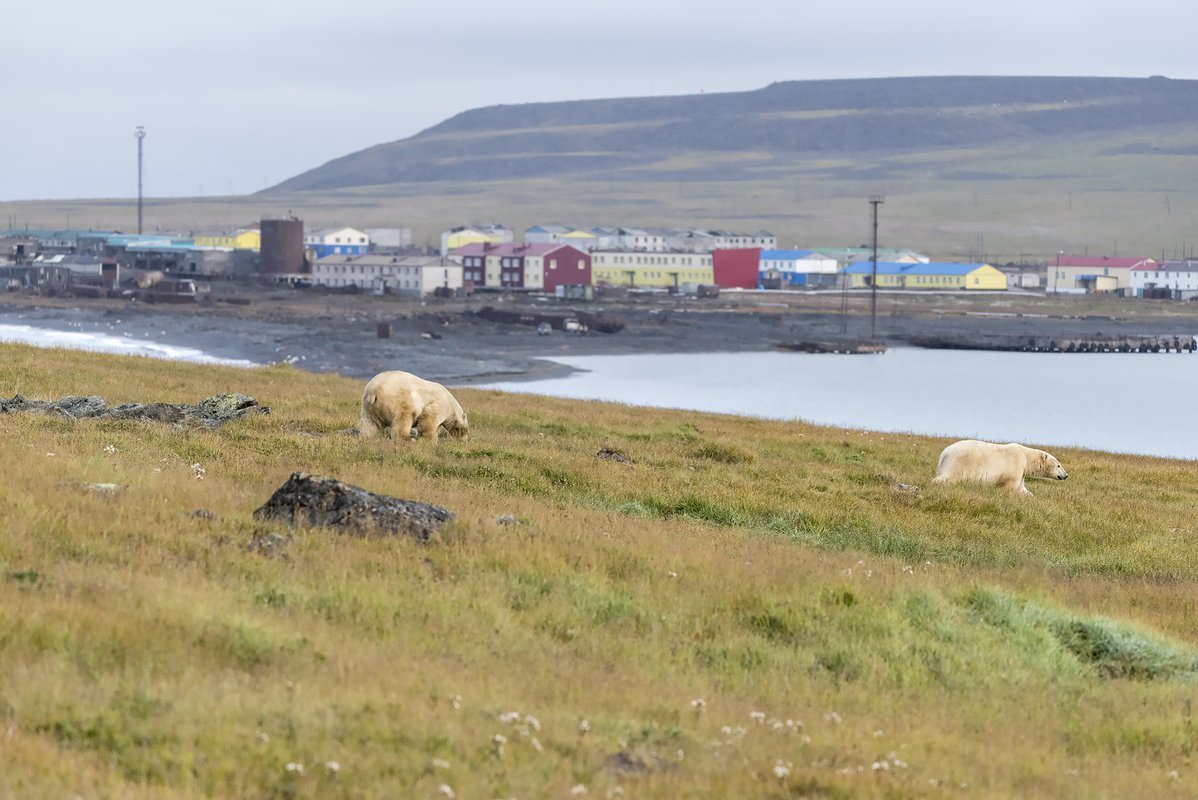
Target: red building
(736,269)
(507,265)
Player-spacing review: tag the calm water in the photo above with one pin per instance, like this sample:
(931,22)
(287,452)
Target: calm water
(1120,402)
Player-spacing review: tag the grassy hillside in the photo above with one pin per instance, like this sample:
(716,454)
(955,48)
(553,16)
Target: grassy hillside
(1108,193)
(749,609)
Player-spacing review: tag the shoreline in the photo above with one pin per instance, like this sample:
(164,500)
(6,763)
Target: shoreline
(446,341)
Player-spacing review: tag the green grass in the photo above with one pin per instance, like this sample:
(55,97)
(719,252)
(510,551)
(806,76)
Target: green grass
(746,595)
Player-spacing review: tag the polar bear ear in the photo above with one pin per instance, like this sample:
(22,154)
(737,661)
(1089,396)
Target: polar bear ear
(1044,456)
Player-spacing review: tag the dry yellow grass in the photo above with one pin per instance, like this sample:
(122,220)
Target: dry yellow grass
(845,638)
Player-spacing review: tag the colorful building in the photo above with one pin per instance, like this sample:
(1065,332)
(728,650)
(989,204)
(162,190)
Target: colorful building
(933,275)
(240,239)
(651,270)
(561,234)
(456,238)
(337,242)
(506,265)
(1089,274)
(736,268)
(798,267)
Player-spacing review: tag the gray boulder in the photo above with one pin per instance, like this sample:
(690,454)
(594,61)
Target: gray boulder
(312,500)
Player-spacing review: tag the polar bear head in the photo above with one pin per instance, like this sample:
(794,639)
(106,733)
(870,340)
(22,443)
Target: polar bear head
(458,426)
(1047,466)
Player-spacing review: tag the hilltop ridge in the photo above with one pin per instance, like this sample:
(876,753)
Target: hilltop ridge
(759,134)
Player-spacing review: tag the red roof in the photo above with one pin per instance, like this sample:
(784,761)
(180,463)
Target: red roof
(506,249)
(1131,262)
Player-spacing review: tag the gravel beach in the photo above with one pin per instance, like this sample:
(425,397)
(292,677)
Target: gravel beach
(447,341)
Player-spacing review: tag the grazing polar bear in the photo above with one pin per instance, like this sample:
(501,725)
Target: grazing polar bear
(996,464)
(398,401)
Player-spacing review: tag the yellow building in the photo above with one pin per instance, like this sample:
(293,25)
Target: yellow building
(944,276)
(241,239)
(463,235)
(650,270)
(1089,274)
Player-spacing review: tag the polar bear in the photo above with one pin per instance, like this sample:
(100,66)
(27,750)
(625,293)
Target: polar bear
(996,464)
(397,401)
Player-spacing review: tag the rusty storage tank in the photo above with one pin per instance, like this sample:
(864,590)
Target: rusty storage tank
(282,249)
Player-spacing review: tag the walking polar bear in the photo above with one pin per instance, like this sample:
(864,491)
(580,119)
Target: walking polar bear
(395,402)
(996,464)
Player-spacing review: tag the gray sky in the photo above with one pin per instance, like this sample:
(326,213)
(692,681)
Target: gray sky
(236,96)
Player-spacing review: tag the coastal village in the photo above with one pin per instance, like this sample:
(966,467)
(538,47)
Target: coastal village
(556,260)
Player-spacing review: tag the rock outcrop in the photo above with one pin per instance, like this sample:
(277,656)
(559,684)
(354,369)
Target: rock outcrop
(312,500)
(208,413)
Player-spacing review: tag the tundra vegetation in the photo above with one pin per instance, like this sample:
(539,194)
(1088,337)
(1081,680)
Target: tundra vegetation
(736,608)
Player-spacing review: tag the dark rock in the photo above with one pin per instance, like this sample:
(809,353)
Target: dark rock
(626,762)
(613,455)
(203,513)
(311,500)
(81,407)
(269,544)
(207,413)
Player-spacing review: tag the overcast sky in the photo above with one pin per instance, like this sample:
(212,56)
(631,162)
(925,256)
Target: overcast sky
(236,96)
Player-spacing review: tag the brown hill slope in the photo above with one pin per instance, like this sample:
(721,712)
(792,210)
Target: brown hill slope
(643,138)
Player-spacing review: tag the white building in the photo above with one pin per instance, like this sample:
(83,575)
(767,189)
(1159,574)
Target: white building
(1179,279)
(387,274)
(799,267)
(337,241)
(700,241)
(393,238)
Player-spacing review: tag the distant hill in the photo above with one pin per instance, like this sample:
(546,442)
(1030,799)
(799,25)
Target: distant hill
(759,134)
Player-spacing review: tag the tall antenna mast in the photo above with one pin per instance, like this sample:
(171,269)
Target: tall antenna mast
(874,201)
(140,133)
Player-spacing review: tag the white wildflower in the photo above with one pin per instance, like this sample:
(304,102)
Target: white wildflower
(832,717)
(672,574)
(108,448)
(446,790)
(296,767)
(578,791)
(333,766)
(1173,775)
(532,722)
(584,727)
(198,471)
(509,717)
(263,736)
(440,763)
(698,703)
(757,716)
(782,769)
(456,702)
(536,744)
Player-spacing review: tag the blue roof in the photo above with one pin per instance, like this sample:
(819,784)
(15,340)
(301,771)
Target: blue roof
(900,268)
(884,268)
(784,255)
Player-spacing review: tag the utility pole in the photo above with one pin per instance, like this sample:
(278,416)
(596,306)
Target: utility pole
(140,133)
(874,201)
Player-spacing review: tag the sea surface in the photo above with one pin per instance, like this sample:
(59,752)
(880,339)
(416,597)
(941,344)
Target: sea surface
(1118,402)
(116,342)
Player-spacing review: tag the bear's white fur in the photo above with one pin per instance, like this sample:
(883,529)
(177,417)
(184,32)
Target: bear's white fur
(996,464)
(397,401)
